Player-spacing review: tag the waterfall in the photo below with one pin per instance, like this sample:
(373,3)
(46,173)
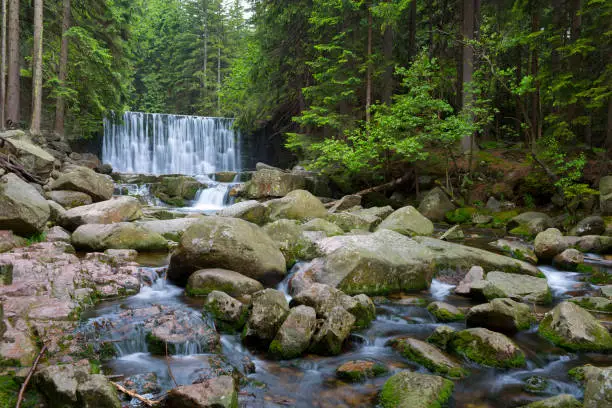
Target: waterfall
(152,143)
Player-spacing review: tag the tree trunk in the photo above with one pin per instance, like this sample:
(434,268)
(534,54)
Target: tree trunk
(467,65)
(412,35)
(37,68)
(609,130)
(205,65)
(369,70)
(60,105)
(535,98)
(387,91)
(3,67)
(13,75)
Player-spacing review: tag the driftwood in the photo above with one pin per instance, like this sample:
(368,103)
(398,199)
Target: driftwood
(144,400)
(30,373)
(404,179)
(13,166)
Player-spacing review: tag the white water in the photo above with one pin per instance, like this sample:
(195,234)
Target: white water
(215,197)
(440,290)
(560,282)
(152,143)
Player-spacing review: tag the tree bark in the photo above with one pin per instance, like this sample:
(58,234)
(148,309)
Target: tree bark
(3,67)
(37,68)
(609,129)
(412,35)
(369,70)
(467,65)
(13,74)
(388,55)
(535,98)
(60,105)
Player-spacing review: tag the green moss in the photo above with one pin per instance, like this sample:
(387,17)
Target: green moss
(443,315)
(157,346)
(391,394)
(9,389)
(584,268)
(461,215)
(205,289)
(522,231)
(500,219)
(9,362)
(36,238)
(577,374)
(413,354)
(476,350)
(600,278)
(602,340)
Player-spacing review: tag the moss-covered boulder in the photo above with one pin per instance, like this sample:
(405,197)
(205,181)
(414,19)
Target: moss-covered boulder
(69,199)
(596,303)
(293,337)
(269,309)
(353,222)
(204,281)
(598,388)
(569,260)
(22,210)
(118,209)
(228,243)
(442,336)
(121,235)
(319,224)
(549,243)
(292,241)
(488,348)
(218,392)
(518,287)
(98,186)
(571,327)
(332,333)
(443,312)
(251,211)
(516,249)
(428,356)
(229,313)
(502,315)
(558,401)
(435,205)
(273,182)
(407,221)
(529,224)
(592,225)
(176,189)
(355,371)
(170,229)
(407,389)
(364,310)
(297,205)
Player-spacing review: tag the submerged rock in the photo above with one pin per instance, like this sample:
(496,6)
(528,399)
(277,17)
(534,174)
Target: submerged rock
(407,221)
(293,337)
(204,281)
(407,389)
(121,235)
(436,204)
(503,315)
(488,348)
(268,312)
(119,209)
(360,370)
(217,392)
(97,186)
(23,210)
(428,356)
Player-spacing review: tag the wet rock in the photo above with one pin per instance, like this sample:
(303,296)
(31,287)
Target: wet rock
(407,389)
(516,249)
(273,182)
(176,190)
(502,315)
(292,241)
(593,225)
(435,205)
(598,388)
(121,235)
(443,312)
(99,187)
(8,241)
(529,223)
(428,356)
(217,392)
(481,219)
(69,199)
(251,211)
(349,221)
(363,309)
(475,274)
(605,195)
(407,221)
(119,209)
(319,224)
(169,229)
(569,259)
(570,326)
(204,281)
(535,384)
(592,243)
(182,332)
(142,384)
(607,291)
(488,348)
(229,313)
(225,176)
(549,243)
(453,233)
(442,336)
(360,370)
(23,211)
(293,337)
(268,312)
(228,243)
(345,203)
(519,287)
(332,333)
(558,401)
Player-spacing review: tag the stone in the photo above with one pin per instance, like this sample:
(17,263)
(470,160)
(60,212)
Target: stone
(296,205)
(219,392)
(204,281)
(69,199)
(251,211)
(118,209)
(549,243)
(169,229)
(319,224)
(355,371)
(225,176)
(177,331)
(442,336)
(443,312)
(605,195)
(272,182)
(454,233)
(529,223)
(57,234)
(428,356)
(176,189)
(23,211)
(56,211)
(435,205)
(571,327)
(501,315)
(98,186)
(268,312)
(606,291)
(475,274)
(119,256)
(332,333)
(121,235)
(569,259)
(8,241)
(516,249)
(32,158)
(592,243)
(377,212)
(493,204)
(488,348)
(229,314)
(345,203)
(598,304)
(408,389)
(407,221)
(593,225)
(348,222)
(322,298)
(519,287)
(228,243)
(363,309)
(293,337)
(558,401)
(292,241)
(598,388)
(97,392)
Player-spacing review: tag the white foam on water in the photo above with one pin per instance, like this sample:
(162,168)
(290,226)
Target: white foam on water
(440,290)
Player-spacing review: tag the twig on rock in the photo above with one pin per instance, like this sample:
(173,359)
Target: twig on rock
(144,400)
(30,373)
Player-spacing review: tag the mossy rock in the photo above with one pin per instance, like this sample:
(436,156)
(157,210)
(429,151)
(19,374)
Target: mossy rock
(599,304)
(414,390)
(9,389)
(428,356)
(461,215)
(356,371)
(443,312)
(558,401)
(488,348)
(442,336)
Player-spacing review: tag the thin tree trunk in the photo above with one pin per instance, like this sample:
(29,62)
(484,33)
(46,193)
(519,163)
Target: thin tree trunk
(219,80)
(369,70)
(388,55)
(37,68)
(13,75)
(412,34)
(3,68)
(205,65)
(535,98)
(467,65)
(60,105)
(609,130)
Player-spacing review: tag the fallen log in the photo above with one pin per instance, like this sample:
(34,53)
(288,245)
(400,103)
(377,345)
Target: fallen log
(144,400)
(13,166)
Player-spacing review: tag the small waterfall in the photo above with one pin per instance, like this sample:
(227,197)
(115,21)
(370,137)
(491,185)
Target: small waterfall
(213,198)
(152,143)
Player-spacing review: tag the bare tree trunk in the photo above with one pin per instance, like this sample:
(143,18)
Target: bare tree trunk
(387,90)
(412,36)
(205,65)
(369,70)
(60,105)
(13,75)
(219,80)
(3,68)
(535,98)
(609,130)
(37,68)
(467,65)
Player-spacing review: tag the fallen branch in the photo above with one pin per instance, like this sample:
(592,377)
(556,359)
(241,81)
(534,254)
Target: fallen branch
(12,166)
(144,400)
(405,178)
(30,373)
(170,369)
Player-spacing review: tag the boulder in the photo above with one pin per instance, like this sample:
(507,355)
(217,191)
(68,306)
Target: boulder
(251,211)
(408,389)
(549,243)
(319,224)
(516,249)
(407,221)
(571,327)
(488,348)
(428,356)
(598,304)
(169,229)
(351,222)
(435,205)
(363,309)
(378,212)
(293,337)
(292,241)
(593,225)
(225,176)
(176,189)
(268,312)
(219,392)
(69,199)
(442,336)
(592,243)
(180,332)
(454,233)
(443,312)
(229,314)
(56,211)
(33,158)
(345,203)
(529,223)
(57,234)
(332,333)
(502,315)
(98,186)
(23,211)
(204,281)
(118,209)
(558,401)
(296,205)
(598,388)
(519,287)
(122,235)
(360,370)
(605,195)
(228,243)
(606,291)
(273,182)
(475,274)
(121,256)
(8,241)
(569,259)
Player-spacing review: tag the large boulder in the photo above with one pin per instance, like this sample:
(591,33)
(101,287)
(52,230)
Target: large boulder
(204,281)
(502,315)
(475,274)
(23,210)
(273,182)
(319,224)
(407,221)
(292,241)
(516,249)
(569,259)
(348,221)
(229,314)
(98,186)
(175,190)
(332,333)
(251,211)
(435,205)
(296,205)
(593,225)
(571,327)
(605,195)
(219,392)
(529,223)
(169,229)
(519,287)
(122,235)
(269,308)
(558,401)
(428,356)
(549,243)
(228,243)
(33,158)
(408,389)
(69,199)
(8,241)
(118,209)
(345,203)
(488,348)
(598,388)
(293,337)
